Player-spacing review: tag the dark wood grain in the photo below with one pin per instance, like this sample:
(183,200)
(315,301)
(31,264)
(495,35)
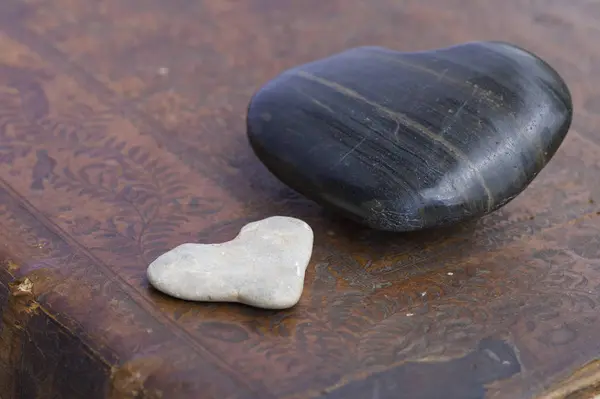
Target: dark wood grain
(410,141)
(134,112)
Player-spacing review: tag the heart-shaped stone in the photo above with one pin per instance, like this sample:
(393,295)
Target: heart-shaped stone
(407,141)
(263,266)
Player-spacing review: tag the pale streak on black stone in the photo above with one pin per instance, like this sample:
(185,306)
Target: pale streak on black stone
(406,141)
(406,122)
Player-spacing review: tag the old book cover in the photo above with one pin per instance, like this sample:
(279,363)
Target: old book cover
(122,135)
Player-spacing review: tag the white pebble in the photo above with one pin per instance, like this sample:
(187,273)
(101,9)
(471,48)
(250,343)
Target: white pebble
(264,266)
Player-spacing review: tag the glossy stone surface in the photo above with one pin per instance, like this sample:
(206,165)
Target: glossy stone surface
(407,141)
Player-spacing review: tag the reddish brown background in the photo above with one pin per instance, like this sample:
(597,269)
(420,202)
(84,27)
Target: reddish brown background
(122,135)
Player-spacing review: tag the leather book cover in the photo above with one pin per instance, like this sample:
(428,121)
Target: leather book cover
(123,135)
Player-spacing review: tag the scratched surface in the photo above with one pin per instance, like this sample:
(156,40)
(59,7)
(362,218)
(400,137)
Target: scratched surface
(122,135)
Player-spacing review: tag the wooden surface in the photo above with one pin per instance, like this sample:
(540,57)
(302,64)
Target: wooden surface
(122,135)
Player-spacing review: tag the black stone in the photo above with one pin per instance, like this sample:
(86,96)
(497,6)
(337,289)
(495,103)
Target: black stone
(407,141)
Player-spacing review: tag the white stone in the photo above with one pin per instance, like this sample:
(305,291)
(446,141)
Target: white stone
(263,266)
